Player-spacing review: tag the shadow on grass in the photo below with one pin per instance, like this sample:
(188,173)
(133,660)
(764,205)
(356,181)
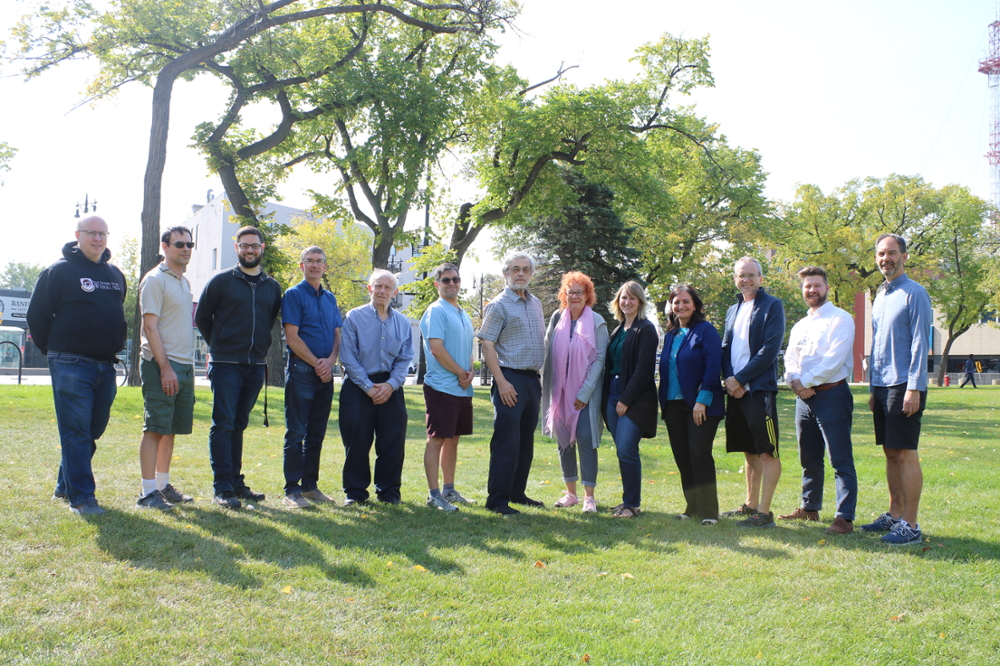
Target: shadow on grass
(233,539)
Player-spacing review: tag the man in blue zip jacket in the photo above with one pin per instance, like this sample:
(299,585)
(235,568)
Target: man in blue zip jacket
(76,317)
(755,329)
(235,314)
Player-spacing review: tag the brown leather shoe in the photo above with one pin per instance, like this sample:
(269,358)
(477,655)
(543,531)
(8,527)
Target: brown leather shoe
(840,526)
(801,514)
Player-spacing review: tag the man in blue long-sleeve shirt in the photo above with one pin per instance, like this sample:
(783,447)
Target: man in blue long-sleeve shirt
(901,321)
(376,351)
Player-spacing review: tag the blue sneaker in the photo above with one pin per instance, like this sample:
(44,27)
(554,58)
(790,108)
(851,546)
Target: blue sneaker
(903,534)
(884,523)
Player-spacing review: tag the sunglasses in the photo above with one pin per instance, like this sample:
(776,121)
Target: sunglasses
(450,280)
(180,245)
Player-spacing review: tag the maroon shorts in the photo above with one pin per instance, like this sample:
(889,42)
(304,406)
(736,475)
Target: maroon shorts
(447,415)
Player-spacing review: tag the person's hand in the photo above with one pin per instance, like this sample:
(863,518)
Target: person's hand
(380,393)
(168,381)
(698,413)
(465,381)
(505,390)
(871,402)
(806,393)
(621,408)
(578,405)
(734,388)
(911,403)
(324,369)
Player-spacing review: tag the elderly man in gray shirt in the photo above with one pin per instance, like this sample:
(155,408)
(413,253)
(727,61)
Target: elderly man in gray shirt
(376,350)
(513,335)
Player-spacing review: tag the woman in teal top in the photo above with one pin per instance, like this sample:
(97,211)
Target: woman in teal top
(691,399)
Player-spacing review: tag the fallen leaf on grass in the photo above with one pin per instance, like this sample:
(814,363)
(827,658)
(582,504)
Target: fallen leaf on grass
(287,589)
(806,598)
(539,564)
(417,567)
(896,618)
(388,564)
(628,576)
(586,657)
(821,541)
(942,634)
(602,574)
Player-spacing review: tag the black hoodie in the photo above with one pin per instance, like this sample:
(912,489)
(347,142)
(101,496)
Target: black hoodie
(76,306)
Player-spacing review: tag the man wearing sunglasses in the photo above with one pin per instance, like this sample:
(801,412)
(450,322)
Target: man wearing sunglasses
(235,314)
(167,367)
(448,333)
(76,317)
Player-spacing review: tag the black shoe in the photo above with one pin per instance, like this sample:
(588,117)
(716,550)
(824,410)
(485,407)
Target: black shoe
(175,496)
(350,501)
(527,501)
(503,510)
(62,497)
(155,500)
(227,500)
(390,500)
(249,495)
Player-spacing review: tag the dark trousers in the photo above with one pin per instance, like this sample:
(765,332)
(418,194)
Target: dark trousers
(307,413)
(692,447)
(823,423)
(235,388)
(83,391)
(361,422)
(512,447)
(969,377)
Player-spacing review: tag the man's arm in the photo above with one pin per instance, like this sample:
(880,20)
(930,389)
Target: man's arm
(401,364)
(151,329)
(442,356)
(505,389)
(40,312)
(204,314)
(349,357)
(916,380)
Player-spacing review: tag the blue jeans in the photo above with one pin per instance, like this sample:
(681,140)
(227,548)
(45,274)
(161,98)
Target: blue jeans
(823,423)
(83,391)
(307,412)
(235,388)
(626,435)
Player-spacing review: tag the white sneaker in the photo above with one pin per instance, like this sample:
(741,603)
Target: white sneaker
(441,504)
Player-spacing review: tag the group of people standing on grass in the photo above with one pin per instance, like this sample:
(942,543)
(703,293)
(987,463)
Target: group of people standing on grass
(573,375)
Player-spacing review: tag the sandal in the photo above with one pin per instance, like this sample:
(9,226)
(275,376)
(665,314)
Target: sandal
(622,511)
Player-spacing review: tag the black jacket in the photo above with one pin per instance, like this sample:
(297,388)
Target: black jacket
(637,373)
(235,316)
(77,306)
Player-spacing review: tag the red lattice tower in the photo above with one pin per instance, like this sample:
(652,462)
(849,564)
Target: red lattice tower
(991,67)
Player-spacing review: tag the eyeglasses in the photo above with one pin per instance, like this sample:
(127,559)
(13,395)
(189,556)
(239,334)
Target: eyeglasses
(450,280)
(574,293)
(95,234)
(249,246)
(314,262)
(180,245)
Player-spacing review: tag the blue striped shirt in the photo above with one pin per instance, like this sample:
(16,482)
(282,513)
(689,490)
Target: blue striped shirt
(901,324)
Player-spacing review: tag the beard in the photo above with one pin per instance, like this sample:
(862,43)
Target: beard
(249,263)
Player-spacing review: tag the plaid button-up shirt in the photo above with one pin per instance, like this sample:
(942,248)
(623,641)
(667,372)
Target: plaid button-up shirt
(516,326)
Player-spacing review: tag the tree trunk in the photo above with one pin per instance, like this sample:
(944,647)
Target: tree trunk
(945,354)
(381,249)
(276,357)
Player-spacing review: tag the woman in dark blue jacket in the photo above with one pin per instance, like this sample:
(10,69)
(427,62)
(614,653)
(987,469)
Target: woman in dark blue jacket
(691,399)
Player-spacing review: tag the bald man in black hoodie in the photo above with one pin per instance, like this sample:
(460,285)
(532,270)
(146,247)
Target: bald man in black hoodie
(76,317)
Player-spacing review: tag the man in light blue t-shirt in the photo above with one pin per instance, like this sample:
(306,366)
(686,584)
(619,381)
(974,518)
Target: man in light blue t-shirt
(447,332)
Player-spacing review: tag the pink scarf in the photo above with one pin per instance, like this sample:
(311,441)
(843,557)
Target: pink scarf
(571,359)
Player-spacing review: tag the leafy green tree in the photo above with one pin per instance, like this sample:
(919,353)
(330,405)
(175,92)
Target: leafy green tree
(20,275)
(587,236)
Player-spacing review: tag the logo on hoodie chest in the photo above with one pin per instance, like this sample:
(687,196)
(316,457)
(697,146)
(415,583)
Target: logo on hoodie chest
(87,284)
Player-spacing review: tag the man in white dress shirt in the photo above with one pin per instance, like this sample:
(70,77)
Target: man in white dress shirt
(818,363)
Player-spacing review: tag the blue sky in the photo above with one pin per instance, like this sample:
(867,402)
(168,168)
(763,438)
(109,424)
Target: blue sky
(826,91)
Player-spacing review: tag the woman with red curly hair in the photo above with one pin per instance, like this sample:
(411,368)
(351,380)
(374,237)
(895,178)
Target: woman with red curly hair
(575,342)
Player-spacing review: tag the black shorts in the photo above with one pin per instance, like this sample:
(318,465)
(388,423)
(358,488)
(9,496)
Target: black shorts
(447,415)
(752,423)
(893,428)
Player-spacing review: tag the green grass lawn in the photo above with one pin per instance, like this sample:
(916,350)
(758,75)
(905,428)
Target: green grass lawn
(408,585)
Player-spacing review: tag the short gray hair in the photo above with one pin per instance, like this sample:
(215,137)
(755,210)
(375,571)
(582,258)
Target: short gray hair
(760,269)
(379,272)
(514,256)
(312,249)
(899,241)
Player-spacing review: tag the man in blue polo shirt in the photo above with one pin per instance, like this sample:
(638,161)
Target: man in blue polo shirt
(312,331)
(901,321)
